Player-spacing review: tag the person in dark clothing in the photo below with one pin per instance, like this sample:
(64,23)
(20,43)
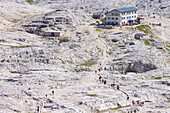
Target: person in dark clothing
(105,68)
(95,71)
(117,87)
(100,78)
(105,82)
(135,111)
(53,92)
(133,102)
(38,109)
(127,97)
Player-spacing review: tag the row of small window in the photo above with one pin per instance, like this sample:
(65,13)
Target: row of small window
(112,18)
(125,22)
(128,17)
(133,12)
(115,23)
(117,14)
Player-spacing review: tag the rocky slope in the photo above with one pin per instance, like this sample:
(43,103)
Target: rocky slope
(37,71)
(160,7)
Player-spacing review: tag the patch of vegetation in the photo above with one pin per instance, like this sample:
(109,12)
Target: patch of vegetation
(168,44)
(167,101)
(119,107)
(146,29)
(147,42)
(41,81)
(16,20)
(88,63)
(19,46)
(158,78)
(144,86)
(30,1)
(140,15)
(143,28)
(52,79)
(51,87)
(153,45)
(102,19)
(105,36)
(92,95)
(98,29)
(61,80)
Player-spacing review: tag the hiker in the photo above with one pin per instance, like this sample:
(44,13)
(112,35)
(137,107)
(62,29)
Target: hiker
(133,102)
(100,78)
(99,69)
(105,82)
(110,68)
(38,109)
(46,95)
(105,68)
(53,92)
(100,64)
(95,71)
(113,84)
(127,97)
(135,111)
(117,87)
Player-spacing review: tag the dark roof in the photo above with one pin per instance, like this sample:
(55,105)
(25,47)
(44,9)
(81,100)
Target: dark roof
(127,9)
(97,13)
(140,34)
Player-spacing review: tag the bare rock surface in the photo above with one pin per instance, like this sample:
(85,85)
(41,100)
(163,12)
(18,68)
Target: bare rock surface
(62,77)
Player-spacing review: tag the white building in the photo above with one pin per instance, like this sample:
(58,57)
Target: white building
(122,16)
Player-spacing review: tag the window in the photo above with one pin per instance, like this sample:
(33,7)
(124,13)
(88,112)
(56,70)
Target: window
(135,16)
(123,22)
(117,18)
(123,13)
(132,16)
(123,18)
(112,14)
(113,18)
(135,12)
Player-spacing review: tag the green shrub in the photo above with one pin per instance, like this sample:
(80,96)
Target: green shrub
(147,42)
(30,1)
(143,28)
(98,30)
(88,63)
(19,46)
(158,77)
(102,19)
(168,101)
